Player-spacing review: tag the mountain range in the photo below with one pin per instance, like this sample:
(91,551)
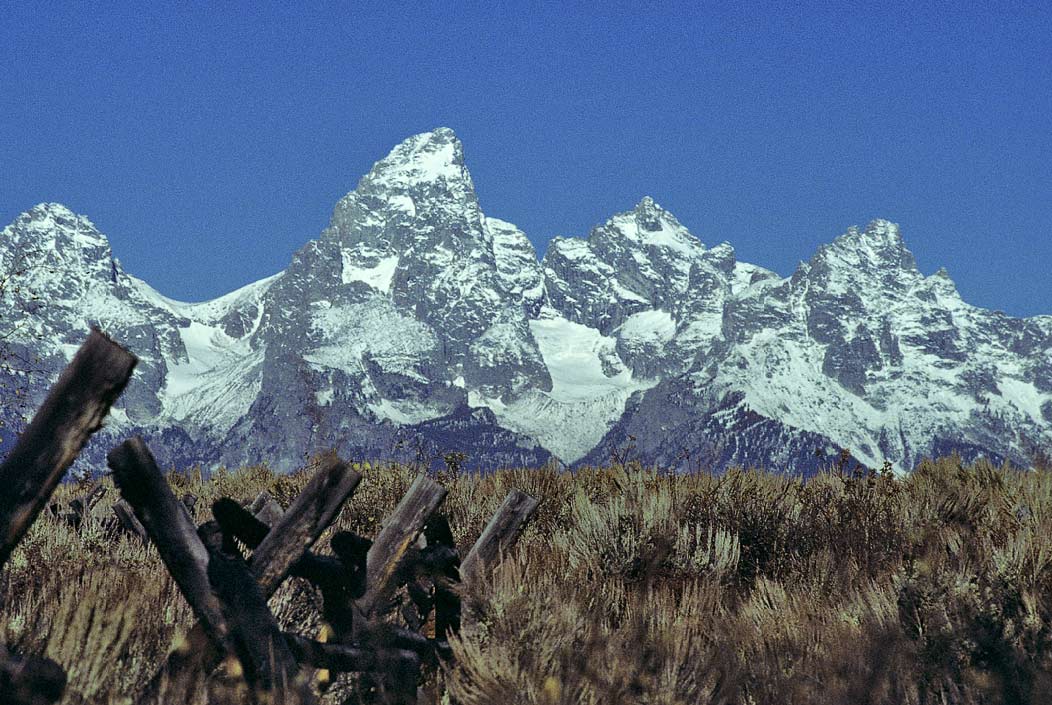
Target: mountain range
(416,326)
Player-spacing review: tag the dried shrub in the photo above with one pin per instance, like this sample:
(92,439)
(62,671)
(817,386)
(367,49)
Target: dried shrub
(631,586)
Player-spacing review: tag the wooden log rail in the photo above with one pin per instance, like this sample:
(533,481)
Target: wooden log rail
(128,521)
(501,533)
(298,529)
(342,657)
(383,563)
(446,566)
(218,586)
(71,413)
(397,534)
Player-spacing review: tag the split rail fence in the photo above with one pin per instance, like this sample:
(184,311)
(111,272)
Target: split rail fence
(228,591)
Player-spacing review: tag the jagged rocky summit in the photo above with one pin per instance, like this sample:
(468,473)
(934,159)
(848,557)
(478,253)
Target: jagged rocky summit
(416,325)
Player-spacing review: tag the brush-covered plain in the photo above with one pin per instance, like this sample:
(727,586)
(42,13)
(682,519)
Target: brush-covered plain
(632,586)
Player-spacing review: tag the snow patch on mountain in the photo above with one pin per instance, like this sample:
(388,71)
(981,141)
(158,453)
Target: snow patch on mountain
(217,383)
(582,362)
(654,326)
(213,310)
(378,276)
(590,387)
(566,428)
(345,333)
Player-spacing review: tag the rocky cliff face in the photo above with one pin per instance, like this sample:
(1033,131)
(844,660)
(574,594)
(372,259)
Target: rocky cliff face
(415,325)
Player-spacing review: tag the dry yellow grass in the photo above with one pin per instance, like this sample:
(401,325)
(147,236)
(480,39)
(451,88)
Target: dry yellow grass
(634,587)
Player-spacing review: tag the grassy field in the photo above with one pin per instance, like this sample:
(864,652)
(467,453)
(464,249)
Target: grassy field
(630,586)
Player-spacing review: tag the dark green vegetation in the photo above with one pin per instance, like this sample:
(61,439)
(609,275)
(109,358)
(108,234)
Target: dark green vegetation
(630,586)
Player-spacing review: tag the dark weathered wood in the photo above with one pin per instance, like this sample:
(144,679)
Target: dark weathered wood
(269,667)
(338,598)
(300,526)
(353,552)
(436,559)
(340,583)
(73,410)
(398,638)
(173,533)
(30,680)
(400,668)
(262,498)
(344,658)
(444,564)
(399,530)
(501,533)
(351,547)
(79,507)
(128,521)
(385,569)
(308,516)
(237,522)
(420,603)
(94,497)
(266,508)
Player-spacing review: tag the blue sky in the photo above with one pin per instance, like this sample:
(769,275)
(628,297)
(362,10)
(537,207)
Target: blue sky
(209,144)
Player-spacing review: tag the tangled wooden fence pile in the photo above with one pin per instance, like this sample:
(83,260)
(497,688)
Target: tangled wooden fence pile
(227,591)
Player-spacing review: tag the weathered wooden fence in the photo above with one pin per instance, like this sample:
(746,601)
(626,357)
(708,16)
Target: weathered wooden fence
(228,591)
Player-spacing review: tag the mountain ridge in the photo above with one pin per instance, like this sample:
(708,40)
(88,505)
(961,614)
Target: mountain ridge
(414,314)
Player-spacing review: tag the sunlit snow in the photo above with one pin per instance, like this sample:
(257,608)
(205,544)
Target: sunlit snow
(378,277)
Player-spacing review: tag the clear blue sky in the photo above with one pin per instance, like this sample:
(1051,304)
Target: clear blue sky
(209,144)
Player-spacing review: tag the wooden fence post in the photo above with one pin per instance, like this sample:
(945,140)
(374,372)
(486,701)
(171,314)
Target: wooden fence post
(261,647)
(128,521)
(447,601)
(500,534)
(73,410)
(303,522)
(400,529)
(169,526)
(272,560)
(383,561)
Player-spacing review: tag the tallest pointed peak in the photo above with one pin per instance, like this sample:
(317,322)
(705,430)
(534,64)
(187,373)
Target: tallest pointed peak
(423,178)
(646,203)
(440,139)
(650,217)
(648,208)
(428,156)
(879,237)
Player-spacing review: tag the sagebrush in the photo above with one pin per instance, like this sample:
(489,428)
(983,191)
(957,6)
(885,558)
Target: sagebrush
(634,586)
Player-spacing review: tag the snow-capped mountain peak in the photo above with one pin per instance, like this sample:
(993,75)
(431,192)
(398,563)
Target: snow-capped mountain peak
(878,245)
(64,238)
(649,225)
(429,156)
(414,315)
(44,218)
(421,189)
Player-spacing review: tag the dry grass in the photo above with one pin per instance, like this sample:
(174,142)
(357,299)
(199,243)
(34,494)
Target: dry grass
(635,587)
